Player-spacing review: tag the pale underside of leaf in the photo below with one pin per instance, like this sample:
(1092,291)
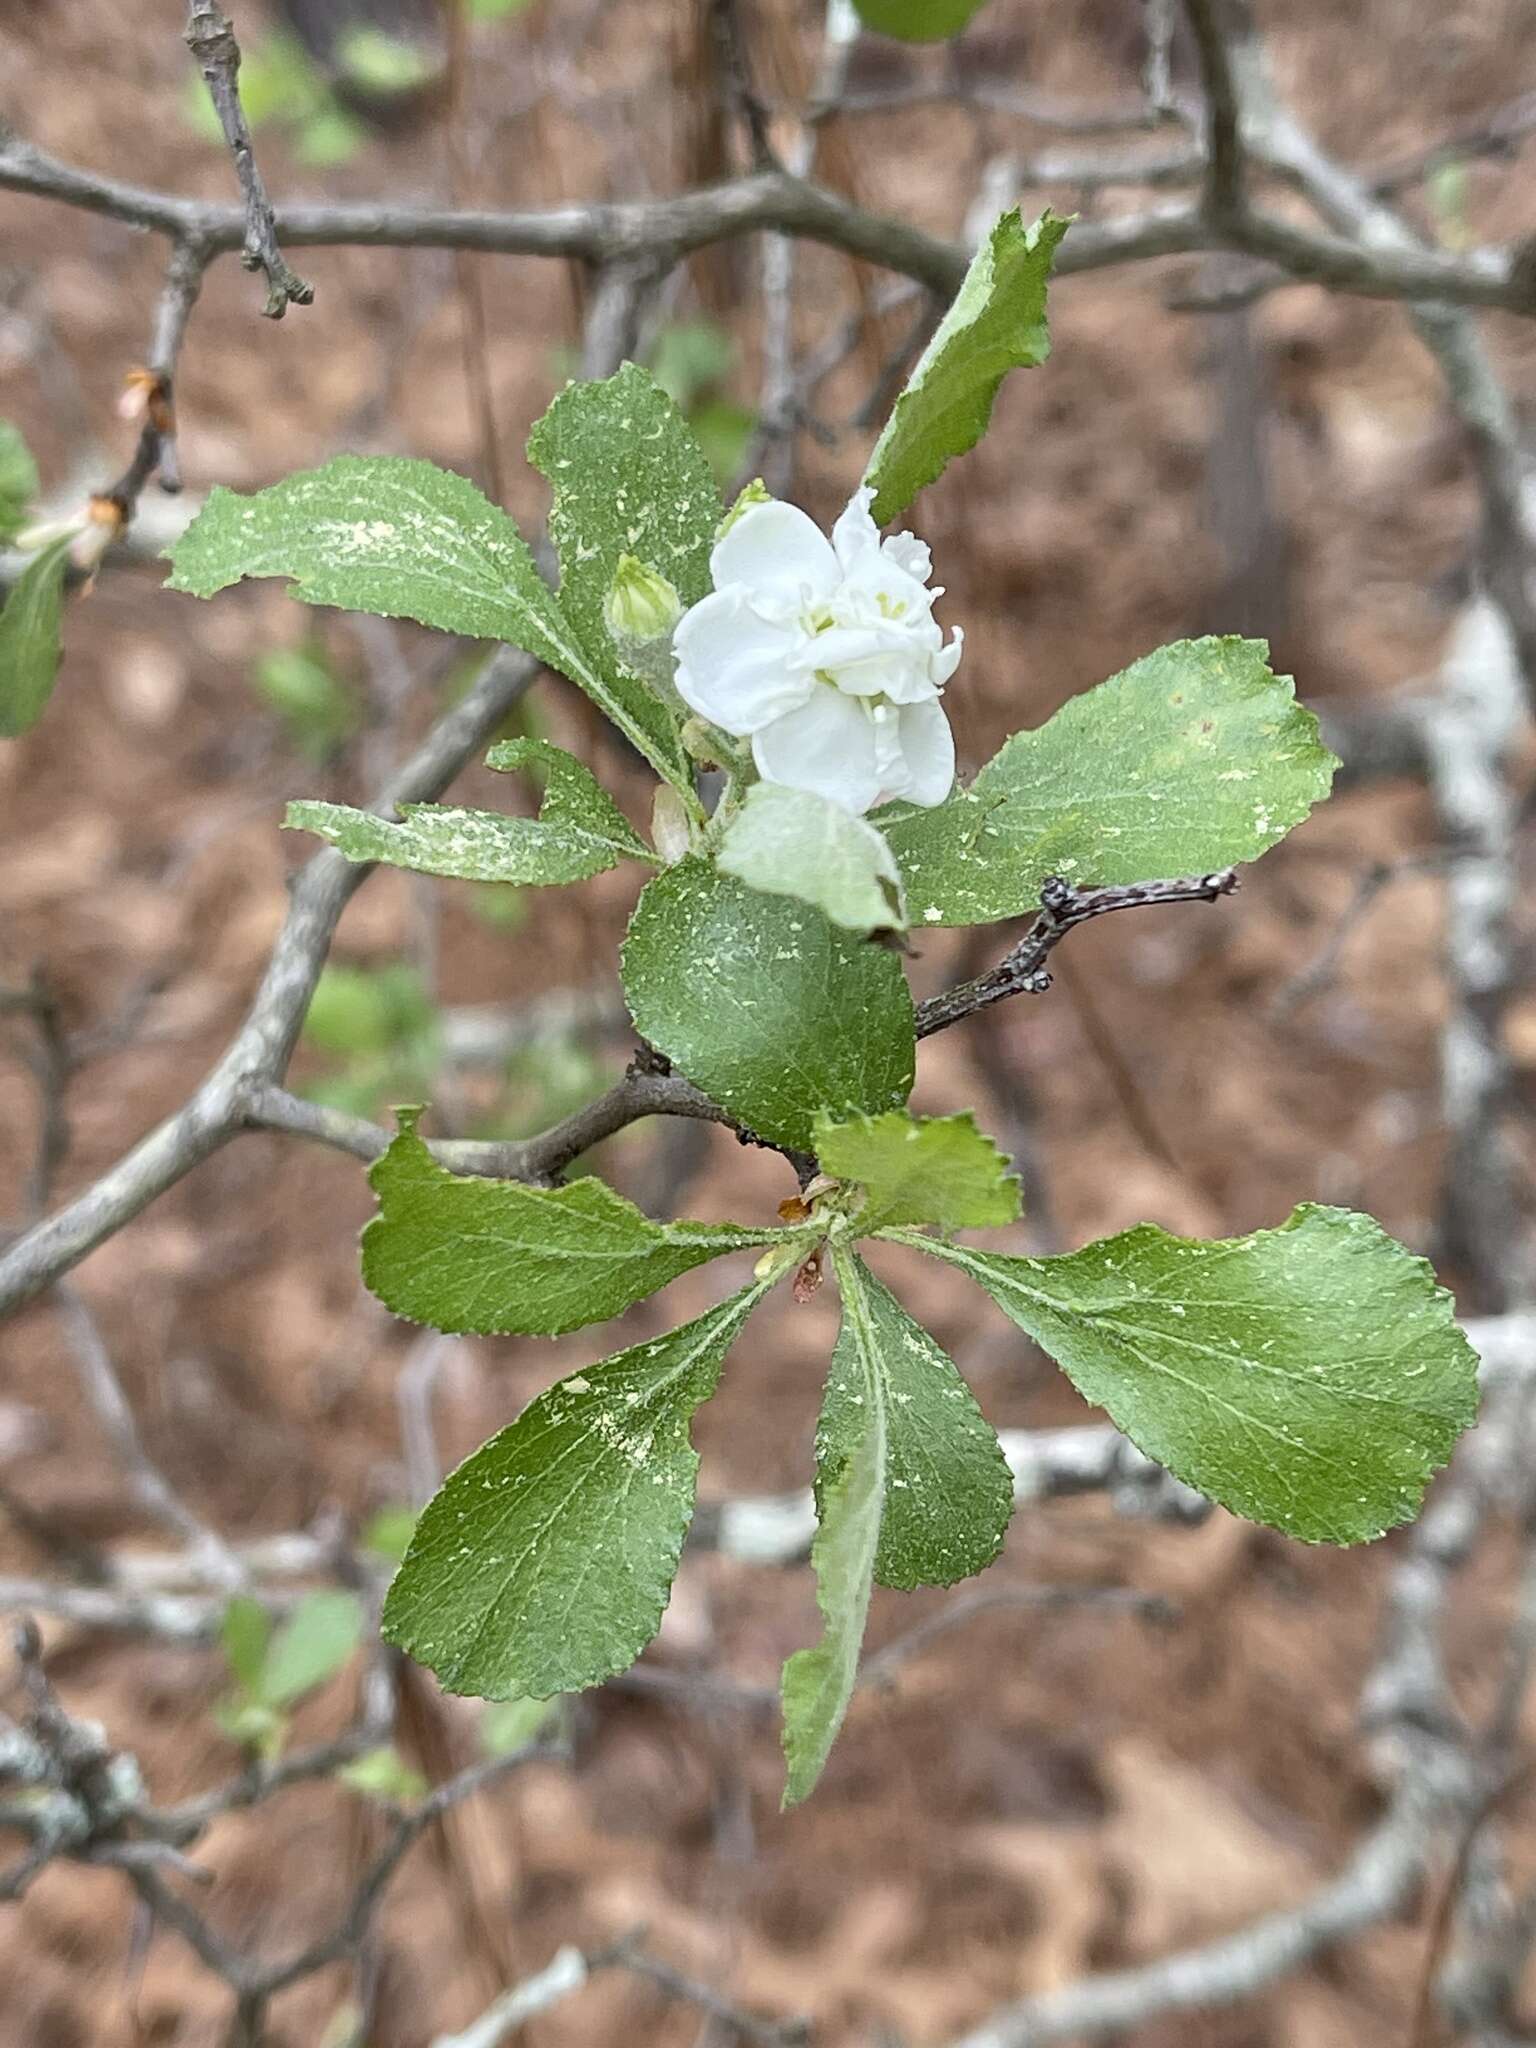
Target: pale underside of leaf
(934,1169)
(579,831)
(789,842)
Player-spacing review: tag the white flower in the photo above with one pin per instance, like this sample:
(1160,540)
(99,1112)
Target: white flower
(826,654)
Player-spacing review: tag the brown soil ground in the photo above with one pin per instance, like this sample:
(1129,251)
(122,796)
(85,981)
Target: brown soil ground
(1044,1791)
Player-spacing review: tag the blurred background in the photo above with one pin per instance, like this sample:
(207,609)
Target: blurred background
(1063,1783)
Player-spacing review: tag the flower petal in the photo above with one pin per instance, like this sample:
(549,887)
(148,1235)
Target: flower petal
(732,667)
(928,754)
(871,661)
(944,663)
(856,536)
(910,554)
(827,747)
(775,550)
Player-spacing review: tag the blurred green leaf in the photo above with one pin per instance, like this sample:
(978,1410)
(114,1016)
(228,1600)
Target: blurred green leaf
(380,65)
(918,21)
(30,646)
(244,1635)
(312,1645)
(18,482)
(509,1725)
(366,1009)
(388,1533)
(317,707)
(384,1774)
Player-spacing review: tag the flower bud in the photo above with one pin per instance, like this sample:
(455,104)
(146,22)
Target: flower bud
(641,604)
(669,825)
(754,493)
(641,612)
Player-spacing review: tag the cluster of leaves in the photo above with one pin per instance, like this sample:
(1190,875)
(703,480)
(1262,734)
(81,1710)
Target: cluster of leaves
(1309,1376)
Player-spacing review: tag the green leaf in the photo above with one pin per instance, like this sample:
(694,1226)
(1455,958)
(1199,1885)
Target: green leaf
(1192,759)
(512,1724)
(494,1256)
(311,1646)
(403,538)
(920,1169)
(765,1004)
(545,1561)
(1311,1377)
(788,842)
(367,1009)
(629,478)
(818,1683)
(912,1489)
(948,1491)
(389,1530)
(18,482)
(384,1774)
(244,1635)
(316,706)
(996,324)
(579,831)
(917,21)
(30,647)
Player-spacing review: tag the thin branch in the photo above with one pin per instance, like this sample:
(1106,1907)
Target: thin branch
(211,40)
(103,1391)
(1022,970)
(665,230)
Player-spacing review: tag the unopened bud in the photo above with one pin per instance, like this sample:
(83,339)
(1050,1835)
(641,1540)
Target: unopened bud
(641,612)
(641,604)
(105,520)
(669,825)
(754,493)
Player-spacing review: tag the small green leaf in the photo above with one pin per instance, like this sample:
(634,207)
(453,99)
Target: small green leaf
(579,831)
(311,1646)
(917,21)
(544,1563)
(920,1169)
(403,538)
(996,324)
(30,647)
(508,1725)
(367,1009)
(629,478)
(948,1491)
(1192,759)
(1311,1377)
(18,482)
(384,1774)
(244,1635)
(788,842)
(818,1683)
(494,1256)
(765,1004)
(389,1530)
(315,704)
(912,1489)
